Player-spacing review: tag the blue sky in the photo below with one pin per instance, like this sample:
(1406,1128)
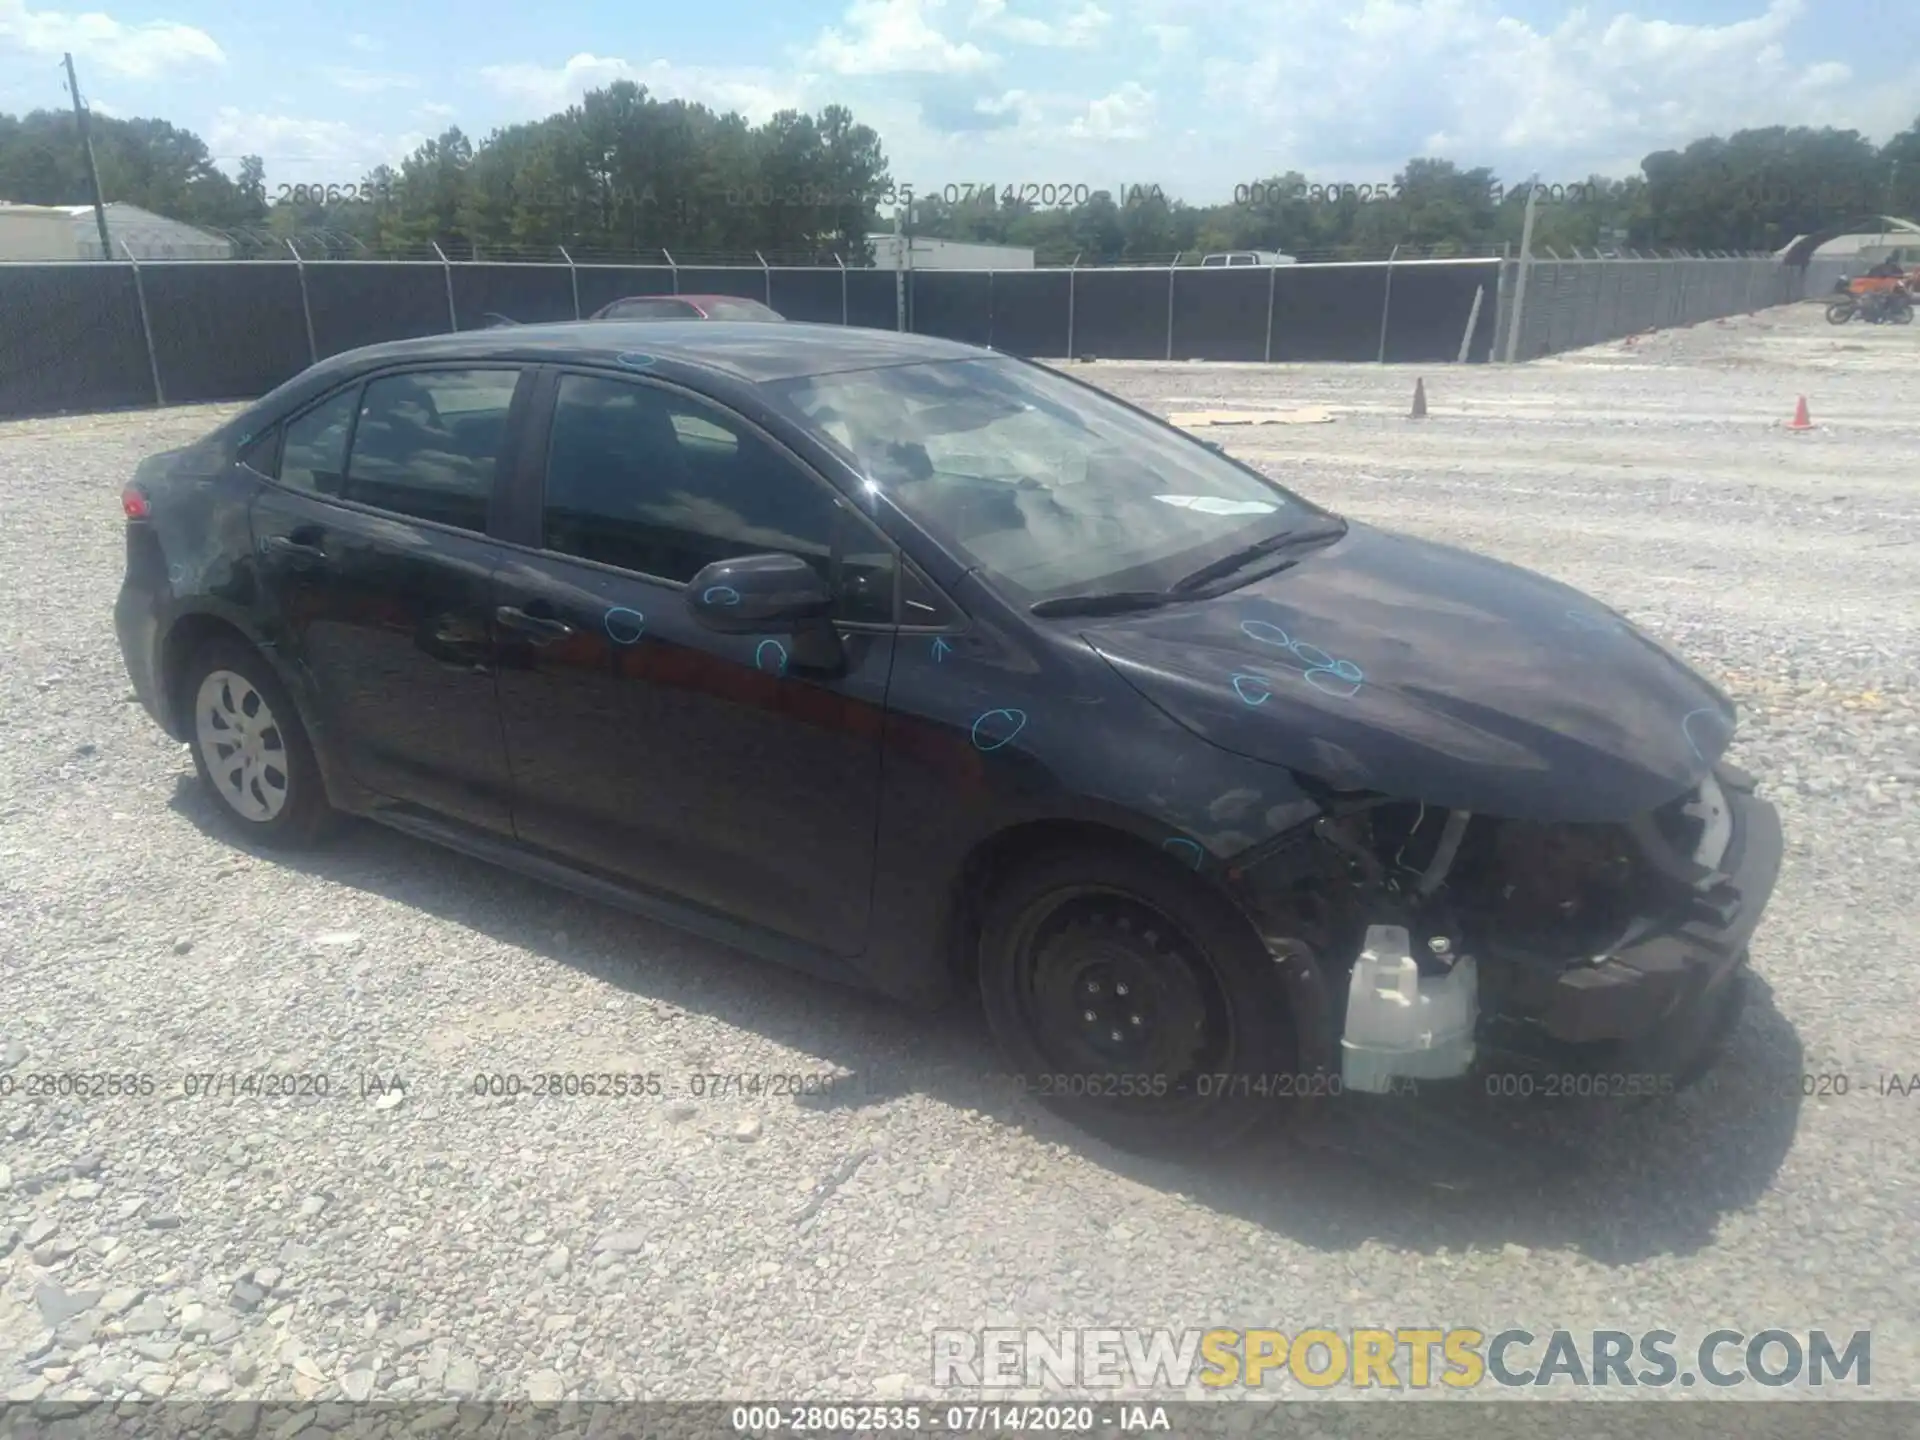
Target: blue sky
(1191,95)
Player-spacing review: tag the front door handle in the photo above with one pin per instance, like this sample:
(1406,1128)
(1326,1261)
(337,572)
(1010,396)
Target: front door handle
(283,545)
(539,627)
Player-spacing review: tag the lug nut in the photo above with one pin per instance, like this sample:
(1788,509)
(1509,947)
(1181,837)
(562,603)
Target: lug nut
(1091,1017)
(1120,989)
(1117,1035)
(1134,1020)
(1439,945)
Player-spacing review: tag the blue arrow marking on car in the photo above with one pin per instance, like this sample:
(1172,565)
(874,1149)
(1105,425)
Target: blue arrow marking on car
(940,649)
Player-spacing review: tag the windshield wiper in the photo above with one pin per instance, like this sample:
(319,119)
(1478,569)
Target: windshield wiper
(1103,602)
(1259,549)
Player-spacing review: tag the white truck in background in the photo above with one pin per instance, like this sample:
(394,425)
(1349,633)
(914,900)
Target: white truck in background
(1247,257)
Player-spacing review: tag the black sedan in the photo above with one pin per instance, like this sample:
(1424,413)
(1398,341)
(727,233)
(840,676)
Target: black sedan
(935,671)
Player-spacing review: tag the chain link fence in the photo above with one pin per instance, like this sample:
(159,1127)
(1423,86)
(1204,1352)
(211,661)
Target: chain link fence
(1551,306)
(89,335)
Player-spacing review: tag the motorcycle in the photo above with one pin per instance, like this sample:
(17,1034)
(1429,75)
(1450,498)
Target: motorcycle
(1877,301)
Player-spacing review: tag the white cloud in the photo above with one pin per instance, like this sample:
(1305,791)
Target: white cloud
(364,43)
(1380,79)
(1078,30)
(436,110)
(1024,108)
(134,50)
(1123,115)
(894,37)
(300,151)
(540,90)
(1170,38)
(365,82)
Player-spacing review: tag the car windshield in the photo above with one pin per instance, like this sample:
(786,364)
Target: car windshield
(1048,487)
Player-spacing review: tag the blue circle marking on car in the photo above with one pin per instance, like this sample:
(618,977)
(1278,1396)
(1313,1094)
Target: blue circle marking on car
(1252,689)
(1181,846)
(624,626)
(719,595)
(1686,728)
(1317,665)
(634,360)
(1345,671)
(779,652)
(1011,721)
(176,573)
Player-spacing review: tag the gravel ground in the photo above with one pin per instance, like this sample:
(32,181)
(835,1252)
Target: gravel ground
(430,1243)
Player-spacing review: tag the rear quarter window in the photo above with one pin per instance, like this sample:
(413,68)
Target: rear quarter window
(261,452)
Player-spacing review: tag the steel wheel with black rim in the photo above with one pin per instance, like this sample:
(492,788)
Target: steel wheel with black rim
(250,748)
(1134,1001)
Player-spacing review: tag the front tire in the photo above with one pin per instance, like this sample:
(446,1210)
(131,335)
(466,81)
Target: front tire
(250,749)
(1840,311)
(1134,1002)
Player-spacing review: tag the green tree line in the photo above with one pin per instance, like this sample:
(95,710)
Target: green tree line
(624,172)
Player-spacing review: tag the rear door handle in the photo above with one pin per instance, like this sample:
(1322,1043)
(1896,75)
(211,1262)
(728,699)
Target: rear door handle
(539,627)
(282,545)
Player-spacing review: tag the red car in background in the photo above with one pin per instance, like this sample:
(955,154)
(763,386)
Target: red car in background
(685,307)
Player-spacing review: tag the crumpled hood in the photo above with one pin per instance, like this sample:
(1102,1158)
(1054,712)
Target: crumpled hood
(1427,672)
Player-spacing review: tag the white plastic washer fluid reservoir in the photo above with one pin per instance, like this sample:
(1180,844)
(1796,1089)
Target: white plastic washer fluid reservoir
(1401,1024)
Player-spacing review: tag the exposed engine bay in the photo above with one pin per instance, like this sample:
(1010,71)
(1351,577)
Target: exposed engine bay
(1441,936)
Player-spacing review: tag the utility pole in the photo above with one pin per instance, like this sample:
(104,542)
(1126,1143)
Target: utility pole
(1526,264)
(93,170)
(902,259)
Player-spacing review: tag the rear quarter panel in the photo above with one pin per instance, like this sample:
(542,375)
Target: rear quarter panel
(200,501)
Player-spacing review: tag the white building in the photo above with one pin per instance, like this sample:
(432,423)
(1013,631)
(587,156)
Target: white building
(928,254)
(147,235)
(36,232)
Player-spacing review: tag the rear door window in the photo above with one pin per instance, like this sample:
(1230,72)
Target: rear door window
(427,444)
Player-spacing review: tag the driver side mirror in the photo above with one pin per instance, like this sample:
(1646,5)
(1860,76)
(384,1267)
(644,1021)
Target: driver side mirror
(776,592)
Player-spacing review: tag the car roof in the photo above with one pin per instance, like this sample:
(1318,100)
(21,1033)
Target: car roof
(750,350)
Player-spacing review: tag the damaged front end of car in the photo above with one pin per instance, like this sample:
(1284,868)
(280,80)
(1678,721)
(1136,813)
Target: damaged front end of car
(1419,943)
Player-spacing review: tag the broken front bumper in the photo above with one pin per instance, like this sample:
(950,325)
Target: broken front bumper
(1657,1006)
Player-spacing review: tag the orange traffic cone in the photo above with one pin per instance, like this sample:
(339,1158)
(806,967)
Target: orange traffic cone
(1419,411)
(1800,420)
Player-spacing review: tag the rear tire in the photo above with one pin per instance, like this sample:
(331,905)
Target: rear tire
(1190,1045)
(250,749)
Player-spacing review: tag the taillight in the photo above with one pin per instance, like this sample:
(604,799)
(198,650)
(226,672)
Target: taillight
(133,500)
